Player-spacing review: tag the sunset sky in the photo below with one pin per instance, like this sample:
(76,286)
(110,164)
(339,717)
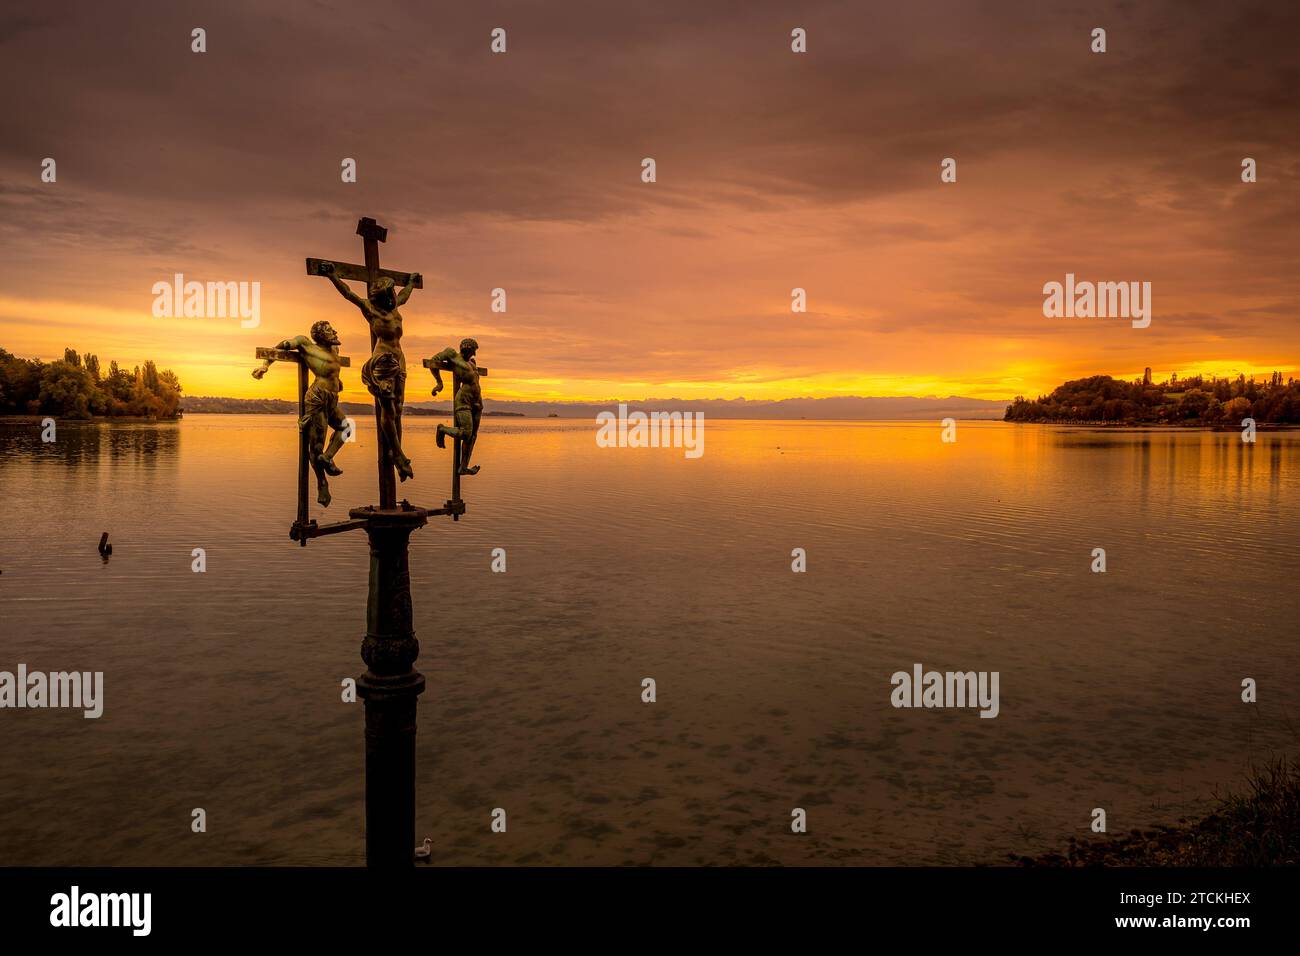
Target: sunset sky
(775,170)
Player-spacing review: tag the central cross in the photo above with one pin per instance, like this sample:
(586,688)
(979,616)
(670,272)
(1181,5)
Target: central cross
(372,234)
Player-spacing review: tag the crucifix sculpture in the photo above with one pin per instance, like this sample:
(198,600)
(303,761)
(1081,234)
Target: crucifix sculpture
(385,371)
(390,685)
(318,411)
(467,409)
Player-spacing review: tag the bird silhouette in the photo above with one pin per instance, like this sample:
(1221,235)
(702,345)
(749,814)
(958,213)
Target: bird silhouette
(424,852)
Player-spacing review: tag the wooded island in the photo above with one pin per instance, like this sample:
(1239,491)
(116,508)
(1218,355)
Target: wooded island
(1198,400)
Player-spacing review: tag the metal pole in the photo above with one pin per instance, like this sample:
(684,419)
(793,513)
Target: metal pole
(390,687)
(303,450)
(455,454)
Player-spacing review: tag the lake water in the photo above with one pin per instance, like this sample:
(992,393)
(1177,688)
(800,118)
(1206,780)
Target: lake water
(1118,690)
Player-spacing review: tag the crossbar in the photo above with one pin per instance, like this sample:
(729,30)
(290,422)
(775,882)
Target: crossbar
(349,270)
(285,355)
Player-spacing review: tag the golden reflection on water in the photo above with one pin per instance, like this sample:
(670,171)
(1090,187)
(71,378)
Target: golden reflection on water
(1118,690)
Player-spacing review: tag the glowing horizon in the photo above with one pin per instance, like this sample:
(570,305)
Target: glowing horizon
(220,369)
(524,173)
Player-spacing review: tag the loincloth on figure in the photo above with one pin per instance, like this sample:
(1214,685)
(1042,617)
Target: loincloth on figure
(464,418)
(321,401)
(384,376)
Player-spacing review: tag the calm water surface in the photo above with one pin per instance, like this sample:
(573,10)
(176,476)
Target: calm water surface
(223,689)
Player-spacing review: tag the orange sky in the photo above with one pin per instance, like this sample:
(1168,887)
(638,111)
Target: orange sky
(775,170)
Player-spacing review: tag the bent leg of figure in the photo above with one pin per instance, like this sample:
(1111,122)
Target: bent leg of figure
(337,423)
(315,444)
(453,431)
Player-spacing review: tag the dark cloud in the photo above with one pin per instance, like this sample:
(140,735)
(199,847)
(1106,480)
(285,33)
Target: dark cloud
(555,129)
(528,164)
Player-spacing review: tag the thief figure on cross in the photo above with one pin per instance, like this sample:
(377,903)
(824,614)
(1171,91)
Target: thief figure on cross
(467,407)
(320,404)
(384,373)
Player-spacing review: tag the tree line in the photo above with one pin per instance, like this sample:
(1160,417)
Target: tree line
(1207,401)
(77,387)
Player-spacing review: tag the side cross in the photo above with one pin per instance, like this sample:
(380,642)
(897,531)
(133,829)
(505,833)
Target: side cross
(455,506)
(304,528)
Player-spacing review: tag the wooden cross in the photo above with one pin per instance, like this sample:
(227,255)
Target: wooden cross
(303,528)
(372,234)
(455,507)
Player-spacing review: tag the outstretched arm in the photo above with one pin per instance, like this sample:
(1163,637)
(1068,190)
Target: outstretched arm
(288,345)
(327,270)
(452,357)
(347,293)
(407,289)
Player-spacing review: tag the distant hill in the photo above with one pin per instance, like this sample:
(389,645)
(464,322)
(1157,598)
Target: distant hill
(277,406)
(237,406)
(844,408)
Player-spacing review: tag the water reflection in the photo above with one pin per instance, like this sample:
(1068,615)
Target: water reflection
(223,687)
(145,446)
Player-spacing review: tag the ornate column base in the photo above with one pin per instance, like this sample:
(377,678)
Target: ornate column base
(390,687)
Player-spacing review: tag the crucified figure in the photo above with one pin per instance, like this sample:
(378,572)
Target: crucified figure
(385,371)
(321,355)
(468,407)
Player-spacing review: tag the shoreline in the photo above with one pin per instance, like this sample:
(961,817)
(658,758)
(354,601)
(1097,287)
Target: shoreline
(93,420)
(427,413)
(1209,426)
(1259,826)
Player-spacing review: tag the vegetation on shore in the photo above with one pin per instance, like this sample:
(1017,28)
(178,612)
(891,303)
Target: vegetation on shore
(1198,400)
(76,387)
(1257,827)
